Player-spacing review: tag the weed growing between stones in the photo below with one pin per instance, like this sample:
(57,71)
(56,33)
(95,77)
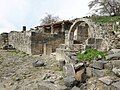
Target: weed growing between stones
(90,54)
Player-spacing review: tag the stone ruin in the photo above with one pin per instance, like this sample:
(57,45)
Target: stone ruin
(40,40)
(99,74)
(83,34)
(64,37)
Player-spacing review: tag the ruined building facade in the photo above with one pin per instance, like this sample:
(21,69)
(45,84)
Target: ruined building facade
(84,34)
(41,40)
(65,36)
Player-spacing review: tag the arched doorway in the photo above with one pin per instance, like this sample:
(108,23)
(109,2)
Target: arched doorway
(85,28)
(80,33)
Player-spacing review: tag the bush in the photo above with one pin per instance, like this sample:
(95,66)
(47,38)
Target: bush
(90,54)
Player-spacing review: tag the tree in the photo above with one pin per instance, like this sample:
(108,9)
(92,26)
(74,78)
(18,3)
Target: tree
(48,19)
(110,7)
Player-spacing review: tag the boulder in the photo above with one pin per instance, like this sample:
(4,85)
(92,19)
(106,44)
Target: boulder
(50,86)
(113,56)
(38,63)
(80,75)
(70,81)
(108,66)
(116,71)
(75,88)
(99,64)
(78,65)
(73,58)
(98,73)
(116,63)
(106,80)
(68,70)
(89,71)
(116,86)
(112,51)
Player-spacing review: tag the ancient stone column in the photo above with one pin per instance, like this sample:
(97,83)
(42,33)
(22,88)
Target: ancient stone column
(66,37)
(63,30)
(52,29)
(45,47)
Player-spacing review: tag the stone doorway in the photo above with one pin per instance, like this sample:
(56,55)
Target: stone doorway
(81,33)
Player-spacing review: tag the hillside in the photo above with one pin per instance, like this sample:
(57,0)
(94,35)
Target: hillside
(105,19)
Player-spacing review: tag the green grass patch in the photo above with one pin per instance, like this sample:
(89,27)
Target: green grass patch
(18,53)
(90,54)
(105,19)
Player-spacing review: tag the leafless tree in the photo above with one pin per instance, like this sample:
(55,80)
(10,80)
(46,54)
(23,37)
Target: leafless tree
(110,7)
(48,19)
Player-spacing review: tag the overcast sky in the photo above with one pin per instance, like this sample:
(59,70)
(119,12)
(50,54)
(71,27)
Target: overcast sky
(16,13)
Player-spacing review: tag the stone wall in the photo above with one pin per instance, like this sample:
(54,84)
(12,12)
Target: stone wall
(21,41)
(46,44)
(110,33)
(3,39)
(34,42)
(47,38)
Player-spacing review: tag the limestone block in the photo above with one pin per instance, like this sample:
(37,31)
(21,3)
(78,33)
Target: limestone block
(98,73)
(98,64)
(113,56)
(108,66)
(80,75)
(106,80)
(116,63)
(89,71)
(68,70)
(116,86)
(116,71)
(78,65)
(70,81)
(38,63)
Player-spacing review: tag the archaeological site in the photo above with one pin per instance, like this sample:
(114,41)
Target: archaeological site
(80,53)
(57,46)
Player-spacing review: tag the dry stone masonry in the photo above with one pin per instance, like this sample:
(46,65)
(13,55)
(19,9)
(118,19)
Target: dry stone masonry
(41,40)
(65,39)
(64,36)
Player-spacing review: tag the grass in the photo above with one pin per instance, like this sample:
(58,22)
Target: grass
(90,54)
(18,53)
(105,19)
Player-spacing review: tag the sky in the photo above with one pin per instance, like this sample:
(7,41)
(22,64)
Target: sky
(17,13)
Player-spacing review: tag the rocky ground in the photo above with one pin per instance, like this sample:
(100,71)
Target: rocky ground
(18,73)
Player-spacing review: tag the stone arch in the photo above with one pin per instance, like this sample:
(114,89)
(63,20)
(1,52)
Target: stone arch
(91,30)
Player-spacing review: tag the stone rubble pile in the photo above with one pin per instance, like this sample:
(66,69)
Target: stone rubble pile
(99,74)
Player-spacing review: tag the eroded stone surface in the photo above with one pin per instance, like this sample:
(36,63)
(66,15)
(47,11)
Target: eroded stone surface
(116,85)
(107,80)
(69,70)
